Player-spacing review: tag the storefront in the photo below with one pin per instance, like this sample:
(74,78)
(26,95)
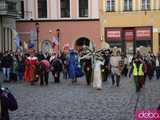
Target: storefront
(129,40)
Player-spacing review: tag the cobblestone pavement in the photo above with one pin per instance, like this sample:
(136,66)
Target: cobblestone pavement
(65,101)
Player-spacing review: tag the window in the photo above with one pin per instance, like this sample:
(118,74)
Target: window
(145,4)
(11,6)
(83,8)
(127,5)
(22,9)
(110,5)
(42,8)
(65,8)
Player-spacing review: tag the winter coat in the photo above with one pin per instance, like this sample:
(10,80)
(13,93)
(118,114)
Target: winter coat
(7,61)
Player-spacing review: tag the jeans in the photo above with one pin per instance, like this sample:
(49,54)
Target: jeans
(6,73)
(20,75)
(117,79)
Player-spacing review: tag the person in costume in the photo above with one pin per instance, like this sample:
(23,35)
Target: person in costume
(43,69)
(73,66)
(30,69)
(97,79)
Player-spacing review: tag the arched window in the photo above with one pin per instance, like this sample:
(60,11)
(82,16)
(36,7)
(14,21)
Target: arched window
(65,8)
(42,8)
(83,8)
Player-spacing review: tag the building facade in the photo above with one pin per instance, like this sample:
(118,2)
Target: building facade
(131,25)
(9,12)
(75,22)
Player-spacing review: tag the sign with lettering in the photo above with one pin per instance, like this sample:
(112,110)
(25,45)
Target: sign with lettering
(129,35)
(143,33)
(113,34)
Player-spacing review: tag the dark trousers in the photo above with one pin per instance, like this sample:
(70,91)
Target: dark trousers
(158,72)
(104,75)
(139,82)
(44,78)
(56,77)
(125,71)
(117,79)
(88,77)
(65,75)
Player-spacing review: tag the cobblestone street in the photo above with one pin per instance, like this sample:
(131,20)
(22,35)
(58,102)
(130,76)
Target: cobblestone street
(65,101)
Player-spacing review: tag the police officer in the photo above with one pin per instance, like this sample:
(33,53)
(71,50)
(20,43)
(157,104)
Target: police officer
(138,73)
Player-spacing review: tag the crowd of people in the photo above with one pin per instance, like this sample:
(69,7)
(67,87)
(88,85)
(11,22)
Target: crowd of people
(33,67)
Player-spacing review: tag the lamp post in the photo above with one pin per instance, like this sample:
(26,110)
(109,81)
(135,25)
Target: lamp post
(37,30)
(58,36)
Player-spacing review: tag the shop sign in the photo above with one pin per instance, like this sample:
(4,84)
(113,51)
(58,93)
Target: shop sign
(143,33)
(113,34)
(129,35)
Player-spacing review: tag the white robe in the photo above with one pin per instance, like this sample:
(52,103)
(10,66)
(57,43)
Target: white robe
(97,80)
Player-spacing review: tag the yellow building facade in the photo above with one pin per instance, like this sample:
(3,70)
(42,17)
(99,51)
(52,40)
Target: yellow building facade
(131,24)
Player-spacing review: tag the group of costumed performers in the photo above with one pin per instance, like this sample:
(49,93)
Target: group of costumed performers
(74,68)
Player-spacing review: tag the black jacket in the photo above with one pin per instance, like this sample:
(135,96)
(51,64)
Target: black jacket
(56,65)
(4,109)
(7,61)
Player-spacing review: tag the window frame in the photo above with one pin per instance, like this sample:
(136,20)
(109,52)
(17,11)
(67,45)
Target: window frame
(44,10)
(129,6)
(111,6)
(146,5)
(68,8)
(83,8)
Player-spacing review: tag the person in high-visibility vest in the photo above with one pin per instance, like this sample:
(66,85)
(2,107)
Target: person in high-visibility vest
(137,71)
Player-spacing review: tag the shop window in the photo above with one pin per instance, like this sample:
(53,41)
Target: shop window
(110,5)
(42,8)
(145,4)
(65,8)
(127,5)
(83,8)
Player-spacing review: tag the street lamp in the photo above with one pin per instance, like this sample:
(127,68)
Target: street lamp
(58,36)
(37,30)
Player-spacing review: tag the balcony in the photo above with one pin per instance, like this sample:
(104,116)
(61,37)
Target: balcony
(9,7)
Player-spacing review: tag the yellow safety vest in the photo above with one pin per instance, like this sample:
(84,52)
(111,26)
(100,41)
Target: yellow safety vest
(136,72)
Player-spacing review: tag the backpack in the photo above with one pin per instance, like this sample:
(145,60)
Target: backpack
(10,99)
